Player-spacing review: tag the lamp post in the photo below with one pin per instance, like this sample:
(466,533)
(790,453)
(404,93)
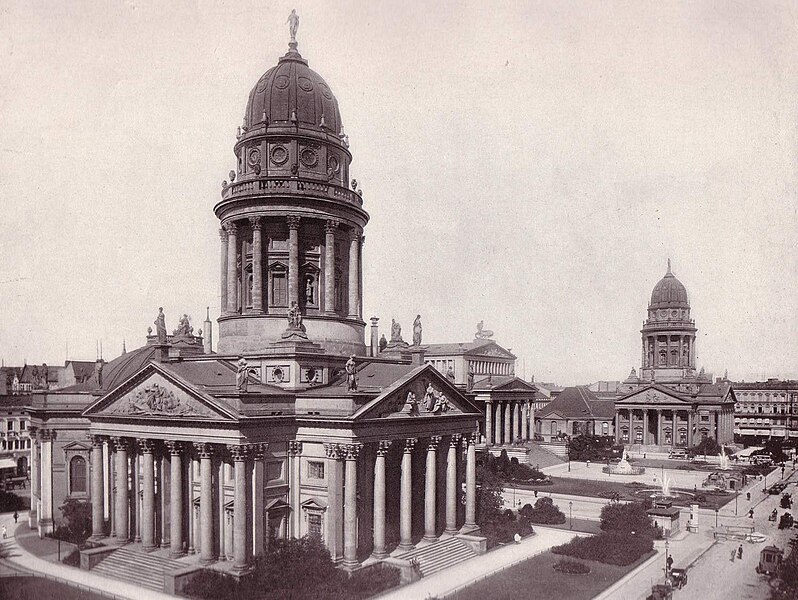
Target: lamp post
(716,517)
(568,449)
(571,514)
(668,562)
(736,493)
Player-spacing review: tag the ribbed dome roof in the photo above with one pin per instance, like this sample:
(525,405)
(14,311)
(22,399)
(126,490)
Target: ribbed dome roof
(292,88)
(669,292)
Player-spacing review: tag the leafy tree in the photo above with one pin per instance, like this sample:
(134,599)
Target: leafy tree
(545,512)
(627,518)
(77,521)
(708,446)
(775,448)
(489,496)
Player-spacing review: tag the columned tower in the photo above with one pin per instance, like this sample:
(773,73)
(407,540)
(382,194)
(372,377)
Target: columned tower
(291,227)
(668,352)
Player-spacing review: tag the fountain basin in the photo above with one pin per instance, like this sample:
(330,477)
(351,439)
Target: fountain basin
(625,469)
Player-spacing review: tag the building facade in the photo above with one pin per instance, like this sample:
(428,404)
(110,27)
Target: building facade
(575,411)
(765,410)
(291,429)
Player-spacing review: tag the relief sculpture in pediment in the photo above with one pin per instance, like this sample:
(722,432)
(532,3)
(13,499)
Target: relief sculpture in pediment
(157,400)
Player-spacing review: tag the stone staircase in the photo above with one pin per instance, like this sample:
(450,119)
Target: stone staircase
(439,555)
(543,457)
(139,568)
(556,448)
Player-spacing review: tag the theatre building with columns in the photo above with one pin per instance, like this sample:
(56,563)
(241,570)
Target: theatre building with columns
(292,427)
(669,404)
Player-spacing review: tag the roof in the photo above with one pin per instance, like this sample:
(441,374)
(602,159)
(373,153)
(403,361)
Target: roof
(216,377)
(15,401)
(460,348)
(8,463)
(509,382)
(770,384)
(117,371)
(83,369)
(669,292)
(372,377)
(579,403)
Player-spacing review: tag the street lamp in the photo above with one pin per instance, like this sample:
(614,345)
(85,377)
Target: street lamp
(736,493)
(571,514)
(716,517)
(668,562)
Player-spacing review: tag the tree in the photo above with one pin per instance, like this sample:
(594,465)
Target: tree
(627,518)
(77,518)
(489,496)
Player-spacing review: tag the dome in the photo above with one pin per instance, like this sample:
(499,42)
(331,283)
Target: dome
(293,90)
(669,292)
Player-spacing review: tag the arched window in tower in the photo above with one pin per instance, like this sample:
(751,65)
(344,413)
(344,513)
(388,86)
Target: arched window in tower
(662,357)
(77,475)
(278,285)
(674,358)
(248,286)
(340,292)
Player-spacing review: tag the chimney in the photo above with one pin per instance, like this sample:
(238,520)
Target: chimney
(207,341)
(417,355)
(375,336)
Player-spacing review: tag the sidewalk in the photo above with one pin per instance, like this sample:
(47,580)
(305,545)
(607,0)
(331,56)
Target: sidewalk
(466,573)
(18,557)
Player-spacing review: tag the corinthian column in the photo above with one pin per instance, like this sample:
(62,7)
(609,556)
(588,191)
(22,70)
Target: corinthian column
(406,497)
(508,419)
(207,555)
(175,499)
(430,482)
(232,268)
(498,429)
(471,486)
(257,264)
(488,423)
(329,266)
(354,274)
(223,270)
(240,555)
(148,486)
(451,485)
(293,259)
(379,500)
(350,507)
(516,420)
(122,499)
(96,487)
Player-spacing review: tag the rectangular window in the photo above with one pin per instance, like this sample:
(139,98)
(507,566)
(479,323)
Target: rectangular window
(314,526)
(274,470)
(315,469)
(279,289)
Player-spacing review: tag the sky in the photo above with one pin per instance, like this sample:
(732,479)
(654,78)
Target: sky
(532,165)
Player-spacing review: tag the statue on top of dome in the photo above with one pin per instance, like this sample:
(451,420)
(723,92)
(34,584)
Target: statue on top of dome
(293,24)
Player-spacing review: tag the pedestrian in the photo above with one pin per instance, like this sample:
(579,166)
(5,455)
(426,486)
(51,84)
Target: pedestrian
(740,552)
(733,554)
(751,514)
(16,516)
(536,493)
(517,538)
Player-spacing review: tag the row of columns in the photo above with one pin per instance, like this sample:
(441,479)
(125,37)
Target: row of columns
(123,493)
(41,496)
(232,258)
(662,421)
(651,350)
(349,454)
(515,418)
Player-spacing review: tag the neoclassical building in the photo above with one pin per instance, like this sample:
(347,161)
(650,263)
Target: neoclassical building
(670,404)
(290,429)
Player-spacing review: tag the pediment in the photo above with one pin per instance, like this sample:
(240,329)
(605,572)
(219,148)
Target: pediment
(492,349)
(423,393)
(516,385)
(653,396)
(555,416)
(76,446)
(154,393)
(314,503)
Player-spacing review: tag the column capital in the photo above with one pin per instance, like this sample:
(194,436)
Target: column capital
(351,451)
(97,441)
(46,435)
(332,450)
(454,441)
(120,443)
(433,442)
(294,447)
(223,234)
(410,443)
(256,223)
(354,235)
(293,221)
(331,225)
(147,446)
(238,452)
(231,228)
(383,447)
(175,448)
(204,449)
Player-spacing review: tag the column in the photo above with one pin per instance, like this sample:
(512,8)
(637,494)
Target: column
(206,503)
(97,520)
(689,428)
(46,487)
(162,513)
(498,429)
(488,422)
(645,426)
(516,420)
(667,350)
(659,426)
(294,448)
(617,426)
(674,428)
(240,555)
(223,270)
(175,499)
(191,516)
(508,418)
(406,497)
(335,501)
(430,483)
(148,501)
(379,500)
(257,264)
(232,268)
(35,478)
(258,474)
(329,266)
(350,506)
(136,495)
(530,423)
(122,498)
(354,272)
(293,259)
(451,485)
(471,486)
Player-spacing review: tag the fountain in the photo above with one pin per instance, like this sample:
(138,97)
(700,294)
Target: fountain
(666,487)
(623,467)
(724,460)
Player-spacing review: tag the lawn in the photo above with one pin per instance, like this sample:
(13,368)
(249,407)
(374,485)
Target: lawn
(535,579)
(35,588)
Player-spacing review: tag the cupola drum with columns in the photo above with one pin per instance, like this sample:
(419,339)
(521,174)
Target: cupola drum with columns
(669,333)
(291,227)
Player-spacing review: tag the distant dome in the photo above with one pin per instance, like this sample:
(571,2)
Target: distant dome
(293,88)
(669,292)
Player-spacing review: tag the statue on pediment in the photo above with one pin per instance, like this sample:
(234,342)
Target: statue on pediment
(441,404)
(242,374)
(417,331)
(412,404)
(429,398)
(156,399)
(383,343)
(351,374)
(396,331)
(294,317)
(160,325)
(184,327)
(482,334)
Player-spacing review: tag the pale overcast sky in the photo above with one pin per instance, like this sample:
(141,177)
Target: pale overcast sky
(530,164)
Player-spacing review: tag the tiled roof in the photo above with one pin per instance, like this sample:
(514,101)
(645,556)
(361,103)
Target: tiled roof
(216,377)
(83,369)
(372,377)
(489,383)
(579,403)
(455,349)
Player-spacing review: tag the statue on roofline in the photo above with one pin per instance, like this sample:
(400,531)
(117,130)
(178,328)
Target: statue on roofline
(417,329)
(160,325)
(351,374)
(293,24)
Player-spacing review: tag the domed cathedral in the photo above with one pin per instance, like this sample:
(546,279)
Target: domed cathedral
(669,404)
(291,429)
(292,229)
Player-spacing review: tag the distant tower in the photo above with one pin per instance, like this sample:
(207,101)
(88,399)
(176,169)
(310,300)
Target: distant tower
(291,227)
(207,341)
(668,352)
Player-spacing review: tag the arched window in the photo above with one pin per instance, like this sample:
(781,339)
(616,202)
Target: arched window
(77,475)
(554,427)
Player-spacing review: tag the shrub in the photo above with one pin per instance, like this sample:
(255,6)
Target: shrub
(608,547)
(627,518)
(77,517)
(9,502)
(72,559)
(571,567)
(212,585)
(545,512)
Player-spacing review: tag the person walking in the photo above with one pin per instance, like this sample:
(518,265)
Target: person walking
(16,517)
(740,552)
(733,554)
